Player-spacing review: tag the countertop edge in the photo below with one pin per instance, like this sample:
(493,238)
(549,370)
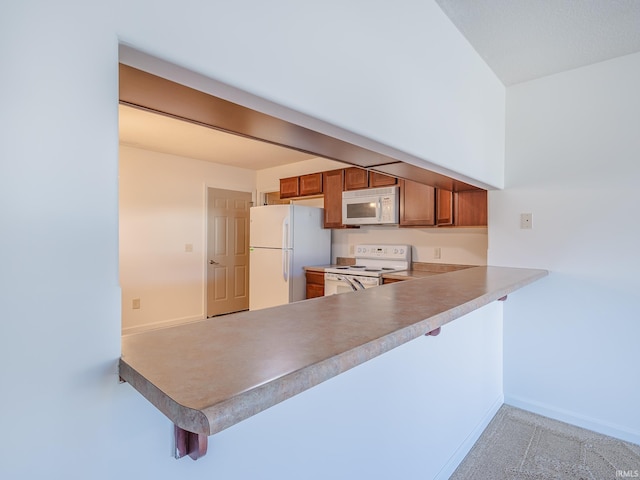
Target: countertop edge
(187,418)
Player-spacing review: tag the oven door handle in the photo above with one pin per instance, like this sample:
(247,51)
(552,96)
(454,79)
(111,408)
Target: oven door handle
(348,282)
(359,283)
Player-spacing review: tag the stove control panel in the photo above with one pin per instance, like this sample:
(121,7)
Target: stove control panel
(387,252)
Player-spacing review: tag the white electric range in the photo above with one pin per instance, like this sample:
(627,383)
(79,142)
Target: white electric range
(372,261)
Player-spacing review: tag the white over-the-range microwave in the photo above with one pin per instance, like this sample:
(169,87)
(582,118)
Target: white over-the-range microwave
(373,206)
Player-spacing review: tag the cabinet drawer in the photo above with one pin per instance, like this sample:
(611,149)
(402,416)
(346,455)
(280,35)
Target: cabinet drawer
(316,278)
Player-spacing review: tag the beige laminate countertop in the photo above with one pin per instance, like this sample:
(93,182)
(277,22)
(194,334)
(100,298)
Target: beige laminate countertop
(209,375)
(410,274)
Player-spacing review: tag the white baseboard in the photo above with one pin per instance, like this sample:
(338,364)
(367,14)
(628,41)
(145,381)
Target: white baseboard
(465,446)
(162,324)
(573,418)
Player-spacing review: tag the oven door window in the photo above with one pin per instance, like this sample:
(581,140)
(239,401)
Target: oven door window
(361,210)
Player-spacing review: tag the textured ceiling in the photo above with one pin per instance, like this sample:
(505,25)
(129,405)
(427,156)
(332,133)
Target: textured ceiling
(526,39)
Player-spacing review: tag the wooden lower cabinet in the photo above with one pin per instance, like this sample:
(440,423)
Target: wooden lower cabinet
(390,280)
(333,184)
(315,284)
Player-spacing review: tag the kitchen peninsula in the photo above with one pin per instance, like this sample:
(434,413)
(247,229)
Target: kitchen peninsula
(209,375)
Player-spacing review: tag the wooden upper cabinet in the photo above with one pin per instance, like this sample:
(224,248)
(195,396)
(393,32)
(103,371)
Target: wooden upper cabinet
(417,204)
(381,180)
(333,184)
(311,184)
(471,208)
(355,178)
(289,187)
(444,207)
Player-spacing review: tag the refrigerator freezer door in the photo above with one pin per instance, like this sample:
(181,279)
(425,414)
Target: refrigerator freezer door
(269,226)
(269,270)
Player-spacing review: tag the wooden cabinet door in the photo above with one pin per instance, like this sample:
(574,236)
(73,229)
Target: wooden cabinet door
(315,284)
(333,183)
(381,180)
(289,187)
(444,207)
(417,204)
(471,208)
(311,184)
(355,178)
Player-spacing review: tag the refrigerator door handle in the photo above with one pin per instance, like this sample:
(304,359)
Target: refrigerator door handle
(285,265)
(285,249)
(285,233)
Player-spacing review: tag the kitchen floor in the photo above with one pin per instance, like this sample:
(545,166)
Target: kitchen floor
(518,445)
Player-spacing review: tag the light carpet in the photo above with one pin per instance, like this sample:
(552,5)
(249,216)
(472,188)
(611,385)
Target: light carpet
(520,445)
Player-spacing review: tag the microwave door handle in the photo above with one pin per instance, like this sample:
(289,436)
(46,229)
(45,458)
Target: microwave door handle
(379,209)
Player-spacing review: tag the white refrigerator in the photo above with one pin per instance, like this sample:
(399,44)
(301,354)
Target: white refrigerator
(283,239)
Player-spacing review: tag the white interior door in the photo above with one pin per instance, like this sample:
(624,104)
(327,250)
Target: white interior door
(227,251)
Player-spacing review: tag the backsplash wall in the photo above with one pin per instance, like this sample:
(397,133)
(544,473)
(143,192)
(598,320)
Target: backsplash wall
(457,245)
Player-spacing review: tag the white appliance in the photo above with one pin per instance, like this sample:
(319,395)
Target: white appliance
(373,206)
(283,239)
(372,261)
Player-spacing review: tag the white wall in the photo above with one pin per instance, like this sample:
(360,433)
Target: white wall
(162,209)
(571,340)
(399,73)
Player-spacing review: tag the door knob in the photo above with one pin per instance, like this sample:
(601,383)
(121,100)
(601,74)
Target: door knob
(211,262)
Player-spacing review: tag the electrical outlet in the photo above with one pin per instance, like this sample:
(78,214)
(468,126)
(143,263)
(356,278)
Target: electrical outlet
(525,221)
(135,304)
(352,249)
(436,253)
